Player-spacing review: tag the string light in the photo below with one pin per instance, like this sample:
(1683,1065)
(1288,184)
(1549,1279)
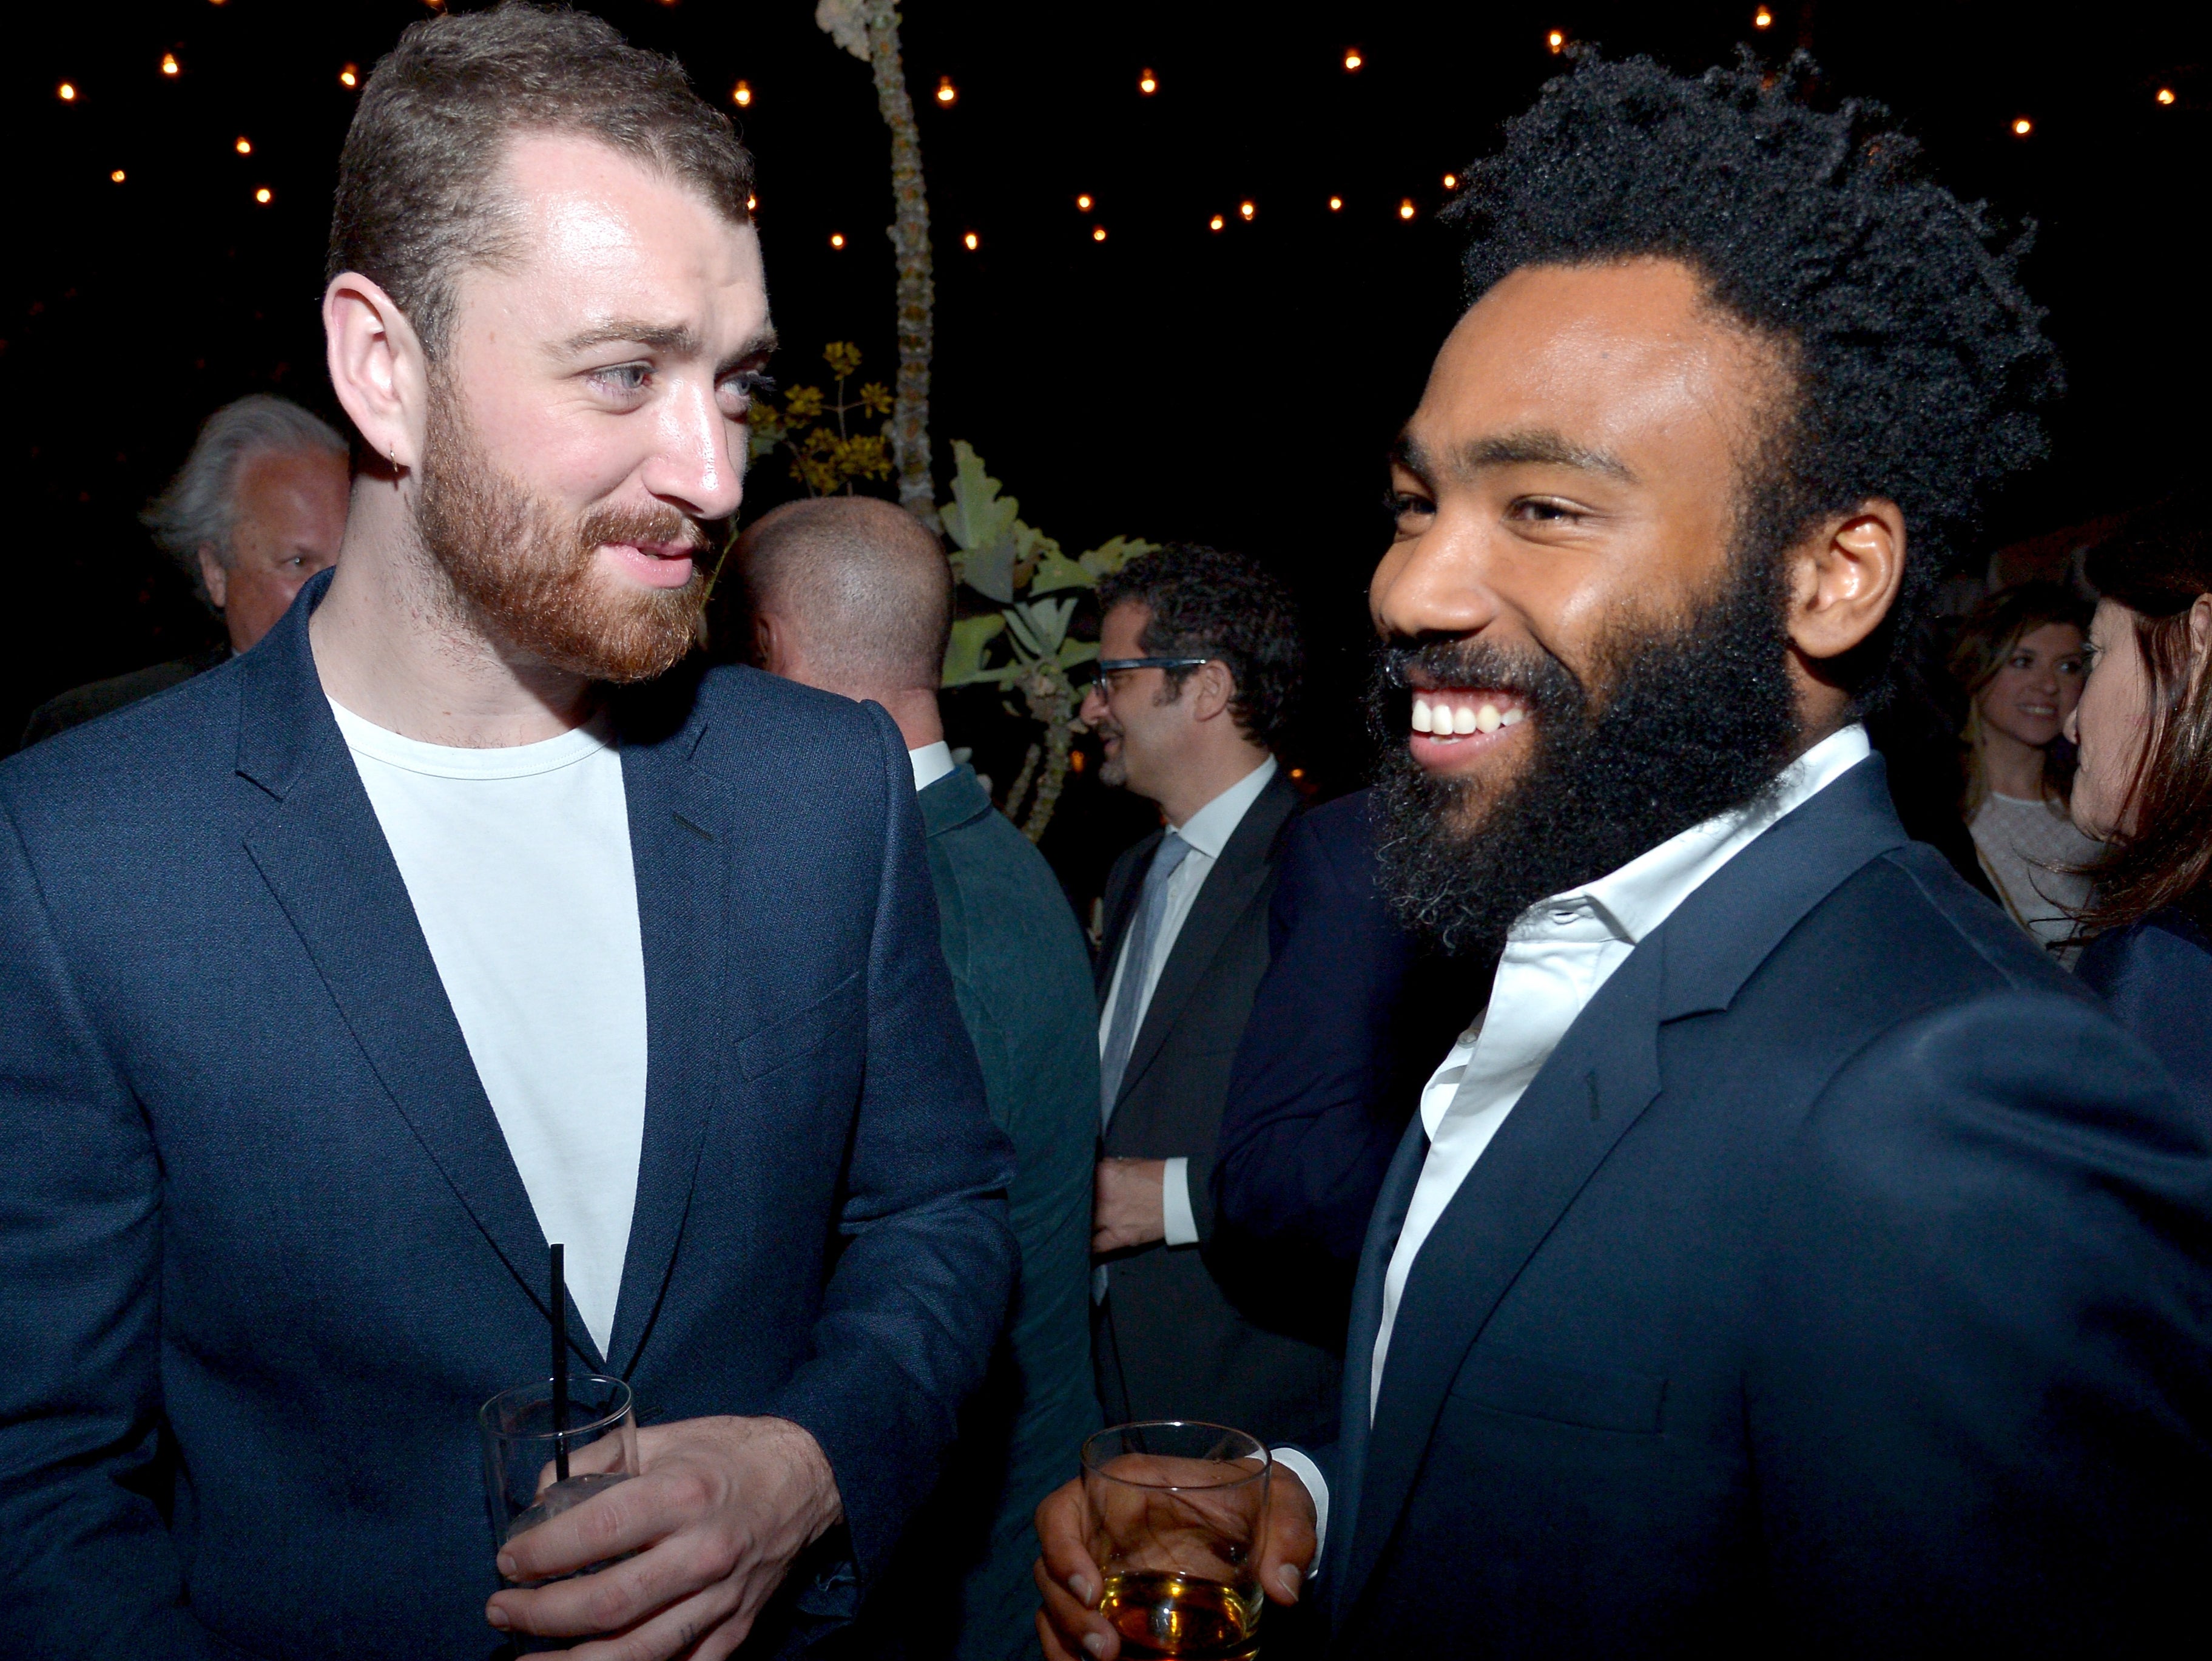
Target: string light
(1083,203)
(2166,95)
(751,203)
(349,75)
(973,241)
(1406,209)
(1146,83)
(1336,205)
(945,91)
(66,92)
(1247,207)
(1216,222)
(168,63)
(1762,19)
(245,145)
(1353,60)
(837,239)
(2022,127)
(742,94)
(1097,232)
(116,175)
(1557,40)
(263,196)
(1451,181)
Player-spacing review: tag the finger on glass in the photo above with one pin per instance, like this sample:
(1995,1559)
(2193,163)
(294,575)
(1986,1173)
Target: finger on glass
(524,1453)
(1174,1513)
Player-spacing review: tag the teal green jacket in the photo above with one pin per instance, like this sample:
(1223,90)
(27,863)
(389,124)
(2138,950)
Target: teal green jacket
(1023,978)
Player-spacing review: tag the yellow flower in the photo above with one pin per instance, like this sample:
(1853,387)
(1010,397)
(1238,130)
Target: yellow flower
(875,399)
(843,358)
(803,404)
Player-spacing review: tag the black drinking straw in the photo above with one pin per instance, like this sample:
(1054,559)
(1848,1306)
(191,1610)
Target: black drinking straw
(560,1370)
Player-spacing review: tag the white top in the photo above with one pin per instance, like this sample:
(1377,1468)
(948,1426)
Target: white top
(1559,953)
(1207,831)
(930,763)
(518,863)
(2025,845)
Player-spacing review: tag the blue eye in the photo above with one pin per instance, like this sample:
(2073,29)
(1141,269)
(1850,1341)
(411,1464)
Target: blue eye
(623,378)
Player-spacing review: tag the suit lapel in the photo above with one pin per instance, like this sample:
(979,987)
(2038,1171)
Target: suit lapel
(681,830)
(324,855)
(1237,878)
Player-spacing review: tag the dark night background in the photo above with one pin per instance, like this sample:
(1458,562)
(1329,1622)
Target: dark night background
(1169,383)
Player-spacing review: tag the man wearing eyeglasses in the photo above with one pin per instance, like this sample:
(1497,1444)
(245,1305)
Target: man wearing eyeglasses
(1199,664)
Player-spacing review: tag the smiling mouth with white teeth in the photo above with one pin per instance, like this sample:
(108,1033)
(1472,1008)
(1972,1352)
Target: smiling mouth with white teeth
(1447,713)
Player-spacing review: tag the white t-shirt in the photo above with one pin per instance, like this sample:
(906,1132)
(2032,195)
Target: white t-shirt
(518,863)
(2026,847)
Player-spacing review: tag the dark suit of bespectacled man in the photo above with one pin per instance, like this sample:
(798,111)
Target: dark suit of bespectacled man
(1786,1257)
(459,919)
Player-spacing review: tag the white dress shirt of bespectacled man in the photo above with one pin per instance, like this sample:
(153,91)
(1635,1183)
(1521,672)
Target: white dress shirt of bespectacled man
(1641,559)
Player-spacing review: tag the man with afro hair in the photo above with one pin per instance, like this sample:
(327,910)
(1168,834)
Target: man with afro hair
(1788,1256)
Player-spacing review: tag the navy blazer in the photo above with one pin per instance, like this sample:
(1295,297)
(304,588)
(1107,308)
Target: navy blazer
(2157,977)
(264,1251)
(1841,1286)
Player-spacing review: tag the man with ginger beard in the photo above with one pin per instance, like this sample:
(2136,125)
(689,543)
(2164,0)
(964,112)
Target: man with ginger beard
(1788,1256)
(453,922)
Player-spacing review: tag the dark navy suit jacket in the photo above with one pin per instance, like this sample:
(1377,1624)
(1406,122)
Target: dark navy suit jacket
(1841,1286)
(263,1249)
(2157,977)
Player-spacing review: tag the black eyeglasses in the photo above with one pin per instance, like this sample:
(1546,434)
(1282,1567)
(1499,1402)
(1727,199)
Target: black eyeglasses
(1115,665)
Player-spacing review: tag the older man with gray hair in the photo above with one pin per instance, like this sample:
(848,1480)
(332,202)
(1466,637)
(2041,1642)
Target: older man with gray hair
(257,509)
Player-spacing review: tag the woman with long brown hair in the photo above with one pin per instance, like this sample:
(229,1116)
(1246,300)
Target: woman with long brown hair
(2019,660)
(2144,725)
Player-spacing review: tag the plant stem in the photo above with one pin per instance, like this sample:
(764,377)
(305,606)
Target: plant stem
(916,289)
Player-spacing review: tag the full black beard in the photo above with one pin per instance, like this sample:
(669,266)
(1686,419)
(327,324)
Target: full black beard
(1685,723)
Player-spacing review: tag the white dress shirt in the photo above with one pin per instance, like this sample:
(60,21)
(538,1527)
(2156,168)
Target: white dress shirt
(931,762)
(1557,955)
(1207,831)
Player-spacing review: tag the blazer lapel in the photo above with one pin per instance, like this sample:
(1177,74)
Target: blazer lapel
(324,857)
(1237,878)
(680,831)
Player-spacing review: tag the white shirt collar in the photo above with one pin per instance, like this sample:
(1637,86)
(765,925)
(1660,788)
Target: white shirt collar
(1208,829)
(930,763)
(1637,897)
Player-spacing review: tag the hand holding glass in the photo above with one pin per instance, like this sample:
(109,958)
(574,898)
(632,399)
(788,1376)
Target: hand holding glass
(524,1454)
(1174,1512)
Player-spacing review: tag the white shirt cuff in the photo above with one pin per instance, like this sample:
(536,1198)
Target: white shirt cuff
(1175,1204)
(1309,1473)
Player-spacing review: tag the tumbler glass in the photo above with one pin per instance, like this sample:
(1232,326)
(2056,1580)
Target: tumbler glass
(533,1472)
(1175,1509)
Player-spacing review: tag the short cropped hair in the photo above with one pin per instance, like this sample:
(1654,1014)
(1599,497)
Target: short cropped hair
(199,507)
(417,201)
(1205,603)
(865,583)
(1919,364)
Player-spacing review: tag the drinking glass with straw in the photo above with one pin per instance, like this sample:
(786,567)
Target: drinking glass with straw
(552,1444)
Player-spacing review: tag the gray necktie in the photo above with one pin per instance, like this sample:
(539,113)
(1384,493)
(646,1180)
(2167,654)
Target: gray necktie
(1136,966)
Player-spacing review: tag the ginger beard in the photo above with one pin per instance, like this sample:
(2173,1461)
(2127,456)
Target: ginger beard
(1680,722)
(527,572)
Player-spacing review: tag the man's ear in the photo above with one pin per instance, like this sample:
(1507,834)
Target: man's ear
(377,367)
(1845,577)
(765,644)
(213,577)
(1210,689)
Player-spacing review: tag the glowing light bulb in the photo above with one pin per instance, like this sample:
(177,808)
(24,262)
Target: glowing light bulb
(1353,60)
(1762,19)
(973,241)
(1248,208)
(1097,232)
(2166,95)
(837,239)
(168,63)
(742,94)
(1336,205)
(1406,209)
(116,175)
(245,145)
(1557,40)
(1147,83)
(751,203)
(1083,203)
(1451,181)
(350,76)
(1216,222)
(263,196)
(66,92)
(2022,127)
(945,91)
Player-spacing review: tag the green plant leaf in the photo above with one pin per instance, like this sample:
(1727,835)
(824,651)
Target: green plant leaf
(1055,570)
(1110,556)
(963,651)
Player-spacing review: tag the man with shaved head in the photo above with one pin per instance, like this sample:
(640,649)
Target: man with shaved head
(854,595)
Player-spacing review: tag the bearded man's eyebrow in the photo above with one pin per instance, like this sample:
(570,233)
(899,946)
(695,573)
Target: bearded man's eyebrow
(1541,447)
(676,340)
(1405,451)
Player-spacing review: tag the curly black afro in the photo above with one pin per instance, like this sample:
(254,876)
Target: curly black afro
(1920,365)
